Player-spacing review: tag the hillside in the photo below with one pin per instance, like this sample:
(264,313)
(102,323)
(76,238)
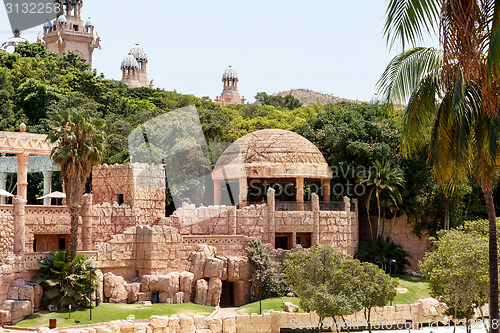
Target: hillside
(308,97)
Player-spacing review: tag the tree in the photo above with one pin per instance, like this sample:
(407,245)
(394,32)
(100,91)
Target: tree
(79,144)
(383,181)
(457,270)
(453,94)
(34,97)
(381,252)
(64,285)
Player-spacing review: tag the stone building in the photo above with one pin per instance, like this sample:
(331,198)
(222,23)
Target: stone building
(134,71)
(230,94)
(68,32)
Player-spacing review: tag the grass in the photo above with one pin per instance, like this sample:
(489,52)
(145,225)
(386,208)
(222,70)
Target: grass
(108,311)
(275,304)
(417,289)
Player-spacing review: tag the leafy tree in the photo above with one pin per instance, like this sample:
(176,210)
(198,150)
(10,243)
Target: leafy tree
(381,251)
(453,93)
(457,270)
(34,97)
(289,101)
(66,281)
(79,143)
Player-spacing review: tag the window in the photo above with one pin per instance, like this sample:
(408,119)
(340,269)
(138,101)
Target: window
(121,199)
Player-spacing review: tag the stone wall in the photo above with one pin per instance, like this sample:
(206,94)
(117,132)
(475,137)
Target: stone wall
(6,231)
(45,220)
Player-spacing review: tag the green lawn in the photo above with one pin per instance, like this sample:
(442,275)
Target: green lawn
(108,311)
(417,289)
(275,304)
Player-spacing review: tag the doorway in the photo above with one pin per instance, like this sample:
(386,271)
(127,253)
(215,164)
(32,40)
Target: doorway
(227,296)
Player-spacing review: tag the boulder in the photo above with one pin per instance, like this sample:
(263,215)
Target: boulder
(26,293)
(100,285)
(186,281)
(114,288)
(145,281)
(197,260)
(38,296)
(233,268)
(214,291)
(168,283)
(200,322)
(21,310)
(290,307)
(401,290)
(5,317)
(158,321)
(186,324)
(13,293)
(201,292)
(163,298)
(214,267)
(215,325)
(133,292)
(145,296)
(178,298)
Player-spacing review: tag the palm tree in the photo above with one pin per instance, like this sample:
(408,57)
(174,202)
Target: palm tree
(383,181)
(453,95)
(79,144)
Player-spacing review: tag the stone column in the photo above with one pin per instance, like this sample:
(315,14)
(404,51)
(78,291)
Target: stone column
(326,190)
(271,222)
(22,174)
(348,230)
(217,192)
(47,186)
(3,186)
(315,209)
(19,224)
(243,192)
(86,212)
(232,221)
(299,193)
(294,240)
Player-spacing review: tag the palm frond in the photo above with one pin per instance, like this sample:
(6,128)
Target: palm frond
(493,62)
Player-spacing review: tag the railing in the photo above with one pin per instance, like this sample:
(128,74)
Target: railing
(291,206)
(331,206)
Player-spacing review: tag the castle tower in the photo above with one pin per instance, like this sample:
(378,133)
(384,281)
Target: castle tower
(11,43)
(68,32)
(230,94)
(142,59)
(130,71)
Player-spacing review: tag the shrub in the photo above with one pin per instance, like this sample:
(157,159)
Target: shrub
(381,251)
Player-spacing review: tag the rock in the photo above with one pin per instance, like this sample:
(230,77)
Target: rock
(114,288)
(158,321)
(214,291)
(5,317)
(186,324)
(145,296)
(133,292)
(233,268)
(13,293)
(201,292)
(401,290)
(145,281)
(100,285)
(169,283)
(229,325)
(18,283)
(197,260)
(200,322)
(163,298)
(215,325)
(26,293)
(290,294)
(21,310)
(290,307)
(7,305)
(214,267)
(186,281)
(38,296)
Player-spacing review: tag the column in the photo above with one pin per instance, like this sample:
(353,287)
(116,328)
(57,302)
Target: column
(233,226)
(294,241)
(348,231)
(217,192)
(315,209)
(299,193)
(326,190)
(86,212)
(22,174)
(3,186)
(271,206)
(47,186)
(19,224)
(243,192)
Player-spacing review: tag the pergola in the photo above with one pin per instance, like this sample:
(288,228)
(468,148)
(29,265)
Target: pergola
(271,156)
(32,155)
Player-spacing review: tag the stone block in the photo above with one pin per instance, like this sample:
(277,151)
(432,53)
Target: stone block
(215,325)
(20,310)
(158,321)
(145,296)
(201,292)
(229,325)
(26,293)
(133,292)
(5,317)
(13,293)
(200,322)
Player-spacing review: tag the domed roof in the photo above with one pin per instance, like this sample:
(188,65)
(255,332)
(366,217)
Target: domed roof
(13,41)
(89,23)
(48,24)
(62,19)
(138,52)
(129,62)
(272,153)
(230,73)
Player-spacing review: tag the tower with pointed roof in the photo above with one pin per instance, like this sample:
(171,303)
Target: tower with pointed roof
(134,71)
(230,94)
(68,32)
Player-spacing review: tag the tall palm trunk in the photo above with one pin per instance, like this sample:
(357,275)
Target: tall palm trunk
(74,212)
(493,258)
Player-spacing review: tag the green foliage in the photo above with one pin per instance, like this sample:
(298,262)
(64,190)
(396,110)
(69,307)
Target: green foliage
(289,101)
(381,251)
(63,287)
(267,272)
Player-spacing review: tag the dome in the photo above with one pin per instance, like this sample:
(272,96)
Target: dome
(89,23)
(13,41)
(230,73)
(48,24)
(374,100)
(129,62)
(272,153)
(62,19)
(138,52)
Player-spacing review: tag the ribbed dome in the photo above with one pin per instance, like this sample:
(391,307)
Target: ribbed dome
(48,24)
(129,62)
(89,23)
(230,73)
(13,41)
(272,153)
(62,19)
(138,52)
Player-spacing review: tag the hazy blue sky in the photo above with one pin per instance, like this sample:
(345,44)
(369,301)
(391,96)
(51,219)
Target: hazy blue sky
(331,46)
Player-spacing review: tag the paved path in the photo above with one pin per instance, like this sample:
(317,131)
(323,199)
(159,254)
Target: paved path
(223,312)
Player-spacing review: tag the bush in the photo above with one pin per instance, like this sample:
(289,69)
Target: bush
(62,287)
(381,251)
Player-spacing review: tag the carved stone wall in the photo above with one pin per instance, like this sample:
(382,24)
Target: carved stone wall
(6,231)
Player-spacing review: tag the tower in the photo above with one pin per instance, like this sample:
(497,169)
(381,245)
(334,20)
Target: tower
(68,32)
(14,41)
(141,75)
(130,71)
(230,94)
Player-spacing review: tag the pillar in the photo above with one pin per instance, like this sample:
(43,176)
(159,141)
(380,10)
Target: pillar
(294,240)
(47,186)
(299,193)
(19,224)
(326,190)
(348,231)
(271,206)
(315,239)
(243,192)
(232,228)
(3,186)
(86,212)
(22,174)
(217,192)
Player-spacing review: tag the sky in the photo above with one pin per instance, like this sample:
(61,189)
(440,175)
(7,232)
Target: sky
(330,46)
